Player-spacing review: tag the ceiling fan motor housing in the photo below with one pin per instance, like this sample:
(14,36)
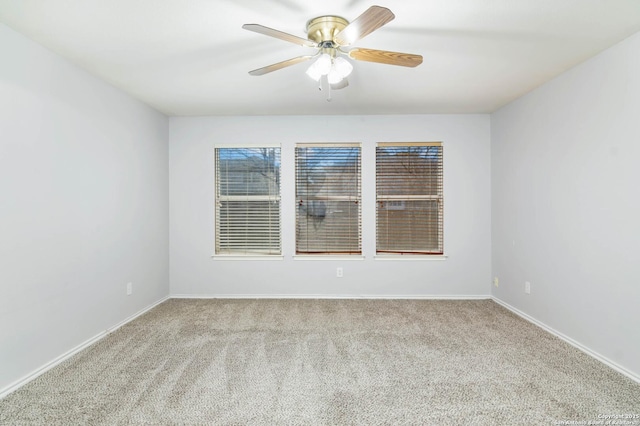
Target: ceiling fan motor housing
(324,28)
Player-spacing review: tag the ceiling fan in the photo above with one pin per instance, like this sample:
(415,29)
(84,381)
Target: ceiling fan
(330,34)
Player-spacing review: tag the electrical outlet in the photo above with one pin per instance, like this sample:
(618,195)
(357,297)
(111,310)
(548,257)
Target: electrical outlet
(527,287)
(129,289)
(339,273)
(496,282)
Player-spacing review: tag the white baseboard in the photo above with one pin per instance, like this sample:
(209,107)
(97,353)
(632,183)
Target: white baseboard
(48,366)
(137,314)
(334,296)
(603,359)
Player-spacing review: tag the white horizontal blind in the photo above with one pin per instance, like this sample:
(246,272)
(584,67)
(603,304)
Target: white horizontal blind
(247,201)
(328,199)
(409,198)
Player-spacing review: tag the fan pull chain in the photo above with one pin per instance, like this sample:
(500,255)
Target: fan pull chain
(324,83)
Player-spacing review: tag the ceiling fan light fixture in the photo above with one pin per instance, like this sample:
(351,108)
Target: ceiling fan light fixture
(334,77)
(320,67)
(342,66)
(340,70)
(340,85)
(313,72)
(324,64)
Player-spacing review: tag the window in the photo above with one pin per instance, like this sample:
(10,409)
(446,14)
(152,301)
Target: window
(247,199)
(409,211)
(328,199)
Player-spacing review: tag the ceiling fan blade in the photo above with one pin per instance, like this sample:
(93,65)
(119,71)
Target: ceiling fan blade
(280,65)
(372,19)
(261,29)
(386,57)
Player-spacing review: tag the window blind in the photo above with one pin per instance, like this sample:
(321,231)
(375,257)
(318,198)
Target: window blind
(328,199)
(409,198)
(247,197)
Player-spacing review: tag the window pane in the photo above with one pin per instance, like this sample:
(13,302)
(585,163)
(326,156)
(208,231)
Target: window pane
(410,170)
(409,195)
(248,171)
(328,227)
(250,227)
(248,201)
(408,226)
(328,200)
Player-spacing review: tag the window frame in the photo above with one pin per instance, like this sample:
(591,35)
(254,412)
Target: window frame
(271,253)
(386,253)
(357,199)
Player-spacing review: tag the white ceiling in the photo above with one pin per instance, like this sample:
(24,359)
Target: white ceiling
(191,57)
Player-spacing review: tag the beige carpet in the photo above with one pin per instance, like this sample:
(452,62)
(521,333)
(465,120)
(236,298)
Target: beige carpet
(334,362)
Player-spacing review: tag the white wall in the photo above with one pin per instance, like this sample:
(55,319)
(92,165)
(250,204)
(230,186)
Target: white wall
(467,208)
(83,206)
(566,203)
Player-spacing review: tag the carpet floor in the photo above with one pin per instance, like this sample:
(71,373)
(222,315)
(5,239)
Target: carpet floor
(326,362)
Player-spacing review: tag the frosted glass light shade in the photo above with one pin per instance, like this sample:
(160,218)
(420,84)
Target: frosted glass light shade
(314,73)
(342,66)
(340,69)
(324,64)
(320,67)
(334,76)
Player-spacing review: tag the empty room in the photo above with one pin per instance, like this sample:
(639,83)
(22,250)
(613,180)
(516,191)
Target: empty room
(340,213)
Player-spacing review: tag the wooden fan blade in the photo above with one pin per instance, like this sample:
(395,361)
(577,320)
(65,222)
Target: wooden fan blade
(261,29)
(372,19)
(386,57)
(280,65)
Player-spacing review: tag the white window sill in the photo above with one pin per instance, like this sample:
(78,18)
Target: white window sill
(410,257)
(339,257)
(246,257)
